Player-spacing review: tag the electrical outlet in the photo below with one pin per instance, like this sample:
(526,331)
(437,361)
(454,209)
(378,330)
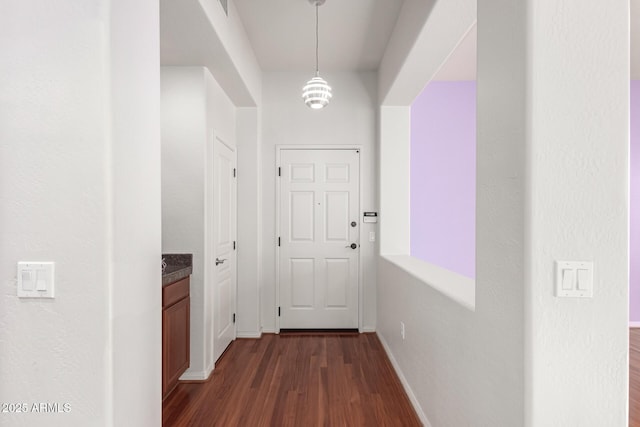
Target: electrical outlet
(402,329)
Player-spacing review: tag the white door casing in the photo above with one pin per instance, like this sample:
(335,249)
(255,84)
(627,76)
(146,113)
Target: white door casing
(319,200)
(224,253)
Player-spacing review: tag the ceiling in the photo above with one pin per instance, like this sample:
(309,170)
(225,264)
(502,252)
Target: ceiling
(353,36)
(353,33)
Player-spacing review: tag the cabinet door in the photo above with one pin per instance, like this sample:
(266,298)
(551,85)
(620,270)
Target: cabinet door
(175,344)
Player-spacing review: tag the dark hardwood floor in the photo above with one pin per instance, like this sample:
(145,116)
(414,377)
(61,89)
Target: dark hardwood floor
(634,377)
(340,379)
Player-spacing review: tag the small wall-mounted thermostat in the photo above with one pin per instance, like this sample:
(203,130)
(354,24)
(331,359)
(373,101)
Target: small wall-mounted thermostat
(371,217)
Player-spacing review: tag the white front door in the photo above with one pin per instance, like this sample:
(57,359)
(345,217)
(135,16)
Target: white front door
(319,238)
(224,235)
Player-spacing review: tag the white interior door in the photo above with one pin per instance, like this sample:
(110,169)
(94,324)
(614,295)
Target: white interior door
(319,238)
(224,235)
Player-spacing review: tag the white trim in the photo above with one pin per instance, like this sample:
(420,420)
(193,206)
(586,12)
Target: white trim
(634,324)
(405,383)
(209,272)
(196,375)
(256,335)
(277,171)
(367,329)
(281,147)
(269,330)
(219,138)
(360,238)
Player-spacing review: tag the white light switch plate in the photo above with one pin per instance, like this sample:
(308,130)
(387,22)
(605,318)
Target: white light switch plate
(574,279)
(36,279)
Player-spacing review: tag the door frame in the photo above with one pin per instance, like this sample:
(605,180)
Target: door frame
(279,148)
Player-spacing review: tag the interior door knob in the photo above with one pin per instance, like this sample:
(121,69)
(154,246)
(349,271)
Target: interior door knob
(352,246)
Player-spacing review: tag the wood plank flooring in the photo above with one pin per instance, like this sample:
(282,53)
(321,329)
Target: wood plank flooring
(296,380)
(634,377)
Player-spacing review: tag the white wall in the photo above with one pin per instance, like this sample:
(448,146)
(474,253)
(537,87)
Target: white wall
(350,118)
(79,181)
(242,74)
(426,32)
(249,143)
(134,172)
(395,180)
(548,188)
(577,166)
(193,107)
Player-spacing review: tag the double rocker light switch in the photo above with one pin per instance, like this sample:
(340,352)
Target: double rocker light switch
(574,279)
(35,279)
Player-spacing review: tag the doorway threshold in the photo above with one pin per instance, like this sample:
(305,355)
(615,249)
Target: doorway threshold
(353,331)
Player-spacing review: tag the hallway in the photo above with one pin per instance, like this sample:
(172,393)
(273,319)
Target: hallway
(295,380)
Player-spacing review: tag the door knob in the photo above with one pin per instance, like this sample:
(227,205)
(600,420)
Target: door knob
(352,246)
(220,261)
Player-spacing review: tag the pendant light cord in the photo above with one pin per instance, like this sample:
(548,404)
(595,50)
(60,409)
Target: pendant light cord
(317,72)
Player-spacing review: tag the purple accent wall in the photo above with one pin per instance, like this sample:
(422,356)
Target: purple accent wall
(634,205)
(443,176)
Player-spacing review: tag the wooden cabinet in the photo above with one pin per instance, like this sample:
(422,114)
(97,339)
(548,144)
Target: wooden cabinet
(175,333)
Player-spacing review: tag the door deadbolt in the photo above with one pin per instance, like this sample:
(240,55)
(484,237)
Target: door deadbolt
(353,223)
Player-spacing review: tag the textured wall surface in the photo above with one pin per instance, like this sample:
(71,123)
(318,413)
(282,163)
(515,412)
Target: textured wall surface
(634,208)
(443,176)
(54,208)
(79,183)
(578,156)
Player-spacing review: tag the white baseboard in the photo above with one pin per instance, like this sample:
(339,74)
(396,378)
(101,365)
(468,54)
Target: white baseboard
(196,375)
(248,334)
(268,331)
(367,329)
(405,383)
(634,324)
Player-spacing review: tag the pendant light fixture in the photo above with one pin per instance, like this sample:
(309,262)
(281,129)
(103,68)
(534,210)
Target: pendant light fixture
(316,93)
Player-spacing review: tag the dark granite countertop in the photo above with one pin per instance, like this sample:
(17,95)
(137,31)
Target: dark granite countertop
(178,267)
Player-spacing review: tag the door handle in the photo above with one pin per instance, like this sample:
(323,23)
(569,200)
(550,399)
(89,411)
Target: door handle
(352,246)
(220,261)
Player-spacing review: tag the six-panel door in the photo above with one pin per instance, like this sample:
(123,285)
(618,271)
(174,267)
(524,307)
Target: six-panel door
(318,267)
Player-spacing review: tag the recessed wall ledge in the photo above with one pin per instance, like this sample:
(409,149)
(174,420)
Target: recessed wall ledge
(459,288)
